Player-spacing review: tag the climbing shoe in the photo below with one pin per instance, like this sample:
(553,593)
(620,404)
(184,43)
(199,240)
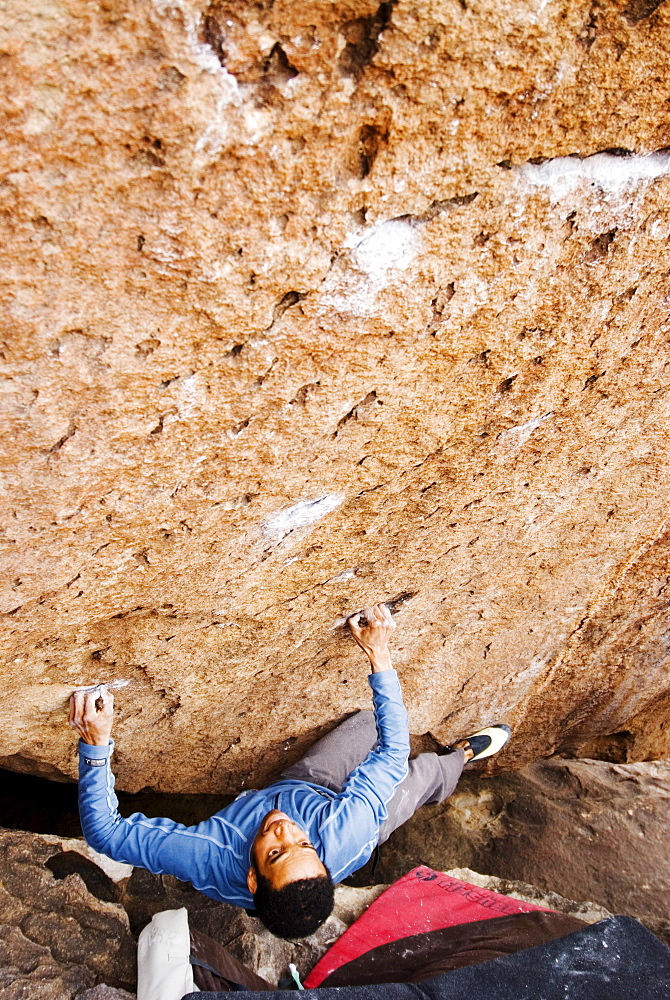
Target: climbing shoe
(486,742)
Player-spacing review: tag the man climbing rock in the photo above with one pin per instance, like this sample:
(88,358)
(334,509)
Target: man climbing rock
(280,850)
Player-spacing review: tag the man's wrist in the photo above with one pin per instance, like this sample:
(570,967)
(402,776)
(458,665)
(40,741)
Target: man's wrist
(102,749)
(380,661)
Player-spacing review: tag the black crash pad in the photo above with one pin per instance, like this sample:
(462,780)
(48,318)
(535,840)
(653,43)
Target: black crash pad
(615,959)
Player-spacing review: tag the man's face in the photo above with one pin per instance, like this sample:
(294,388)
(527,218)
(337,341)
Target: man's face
(282,853)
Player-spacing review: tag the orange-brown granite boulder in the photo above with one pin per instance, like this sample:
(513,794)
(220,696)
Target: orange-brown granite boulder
(313,304)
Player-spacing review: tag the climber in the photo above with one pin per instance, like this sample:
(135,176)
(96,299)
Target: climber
(281,850)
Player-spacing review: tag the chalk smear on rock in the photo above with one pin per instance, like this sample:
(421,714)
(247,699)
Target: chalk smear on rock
(301,515)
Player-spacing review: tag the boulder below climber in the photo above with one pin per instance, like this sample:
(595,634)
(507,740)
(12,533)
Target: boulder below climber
(589,830)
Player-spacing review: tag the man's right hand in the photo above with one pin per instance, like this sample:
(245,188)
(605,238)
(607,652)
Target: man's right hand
(92,715)
(371,628)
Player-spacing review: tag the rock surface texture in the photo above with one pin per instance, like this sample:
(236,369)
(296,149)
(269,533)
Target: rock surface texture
(315,303)
(589,830)
(66,924)
(68,928)
(57,937)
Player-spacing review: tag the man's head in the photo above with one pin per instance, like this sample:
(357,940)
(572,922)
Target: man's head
(292,888)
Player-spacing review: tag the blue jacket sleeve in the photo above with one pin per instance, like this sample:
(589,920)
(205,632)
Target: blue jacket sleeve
(191,854)
(385,767)
(361,806)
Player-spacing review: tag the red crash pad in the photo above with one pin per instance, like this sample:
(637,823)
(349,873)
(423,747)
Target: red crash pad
(423,900)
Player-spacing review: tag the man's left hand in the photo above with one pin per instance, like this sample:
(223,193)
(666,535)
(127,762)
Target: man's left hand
(92,715)
(371,628)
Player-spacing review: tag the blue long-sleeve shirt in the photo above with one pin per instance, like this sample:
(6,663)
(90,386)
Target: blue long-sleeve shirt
(215,855)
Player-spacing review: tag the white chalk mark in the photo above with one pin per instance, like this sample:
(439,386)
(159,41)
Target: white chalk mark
(390,246)
(376,260)
(341,622)
(212,139)
(604,171)
(110,685)
(532,670)
(347,574)
(514,437)
(301,515)
(189,396)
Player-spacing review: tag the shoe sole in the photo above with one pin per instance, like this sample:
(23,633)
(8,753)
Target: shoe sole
(496,732)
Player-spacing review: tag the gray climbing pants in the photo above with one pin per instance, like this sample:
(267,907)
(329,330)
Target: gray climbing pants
(431,777)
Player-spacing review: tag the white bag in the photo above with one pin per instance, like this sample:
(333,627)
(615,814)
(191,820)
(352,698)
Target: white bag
(163,950)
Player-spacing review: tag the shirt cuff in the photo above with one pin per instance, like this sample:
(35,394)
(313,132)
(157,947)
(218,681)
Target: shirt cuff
(97,754)
(385,680)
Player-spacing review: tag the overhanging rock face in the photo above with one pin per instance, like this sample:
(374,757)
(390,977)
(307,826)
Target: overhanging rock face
(315,304)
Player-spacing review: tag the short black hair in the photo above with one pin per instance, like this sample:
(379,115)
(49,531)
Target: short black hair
(298,908)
